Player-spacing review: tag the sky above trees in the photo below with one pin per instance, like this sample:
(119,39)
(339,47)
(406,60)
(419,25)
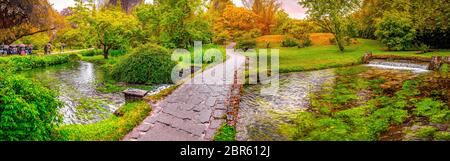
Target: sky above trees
(290,6)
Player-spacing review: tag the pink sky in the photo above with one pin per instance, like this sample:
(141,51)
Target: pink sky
(290,6)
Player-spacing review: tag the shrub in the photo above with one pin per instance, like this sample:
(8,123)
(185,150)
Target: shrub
(289,42)
(118,52)
(91,53)
(305,43)
(395,31)
(28,111)
(246,44)
(74,57)
(146,64)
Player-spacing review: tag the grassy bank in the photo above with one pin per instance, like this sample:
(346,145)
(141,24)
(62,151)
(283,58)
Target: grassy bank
(328,56)
(111,129)
(21,63)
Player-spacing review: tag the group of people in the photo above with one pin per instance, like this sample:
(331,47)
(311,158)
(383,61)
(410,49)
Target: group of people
(23,49)
(16,49)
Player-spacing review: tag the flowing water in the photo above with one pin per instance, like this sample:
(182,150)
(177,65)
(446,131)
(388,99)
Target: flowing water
(260,115)
(76,85)
(414,67)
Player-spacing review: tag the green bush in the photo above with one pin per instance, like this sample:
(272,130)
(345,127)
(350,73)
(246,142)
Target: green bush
(246,44)
(396,31)
(305,43)
(146,64)
(289,42)
(74,57)
(91,52)
(28,111)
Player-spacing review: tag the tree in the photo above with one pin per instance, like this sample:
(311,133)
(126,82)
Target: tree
(396,31)
(236,22)
(266,10)
(175,23)
(332,16)
(22,18)
(282,19)
(114,29)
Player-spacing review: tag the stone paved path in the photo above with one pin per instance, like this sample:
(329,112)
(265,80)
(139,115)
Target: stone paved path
(194,111)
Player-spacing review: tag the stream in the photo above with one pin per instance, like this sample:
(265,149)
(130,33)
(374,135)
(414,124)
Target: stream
(260,115)
(76,85)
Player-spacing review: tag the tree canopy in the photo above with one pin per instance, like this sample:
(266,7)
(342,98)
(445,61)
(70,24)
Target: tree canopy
(21,18)
(332,16)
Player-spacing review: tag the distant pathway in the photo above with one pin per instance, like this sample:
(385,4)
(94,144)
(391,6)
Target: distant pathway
(72,51)
(193,112)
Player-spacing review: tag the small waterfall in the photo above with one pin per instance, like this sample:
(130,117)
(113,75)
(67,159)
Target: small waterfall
(414,67)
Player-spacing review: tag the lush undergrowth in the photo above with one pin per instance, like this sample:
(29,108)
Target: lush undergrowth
(28,111)
(328,56)
(381,107)
(226,133)
(21,63)
(111,129)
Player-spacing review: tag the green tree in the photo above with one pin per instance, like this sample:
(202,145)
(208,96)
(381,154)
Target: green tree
(396,31)
(114,29)
(332,16)
(175,23)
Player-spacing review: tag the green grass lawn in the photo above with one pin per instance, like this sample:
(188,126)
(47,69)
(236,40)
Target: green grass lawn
(321,57)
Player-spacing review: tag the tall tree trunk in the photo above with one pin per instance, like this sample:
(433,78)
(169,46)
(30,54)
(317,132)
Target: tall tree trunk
(339,42)
(105,52)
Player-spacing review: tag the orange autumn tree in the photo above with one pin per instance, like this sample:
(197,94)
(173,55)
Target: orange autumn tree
(267,13)
(235,23)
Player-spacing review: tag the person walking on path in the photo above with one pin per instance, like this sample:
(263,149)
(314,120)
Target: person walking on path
(62,47)
(48,48)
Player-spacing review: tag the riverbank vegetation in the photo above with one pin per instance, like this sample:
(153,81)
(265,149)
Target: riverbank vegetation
(111,129)
(29,111)
(20,63)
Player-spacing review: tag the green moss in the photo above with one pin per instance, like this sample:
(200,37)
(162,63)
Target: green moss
(111,129)
(426,132)
(442,136)
(226,133)
(436,111)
